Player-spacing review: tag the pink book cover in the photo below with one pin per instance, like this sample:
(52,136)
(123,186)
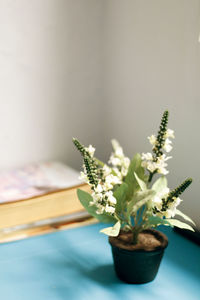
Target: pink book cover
(36,179)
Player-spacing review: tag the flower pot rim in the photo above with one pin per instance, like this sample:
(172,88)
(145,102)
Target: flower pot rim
(154,251)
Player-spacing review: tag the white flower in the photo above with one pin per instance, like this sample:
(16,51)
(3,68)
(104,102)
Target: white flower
(147,162)
(167,145)
(164,193)
(152,139)
(124,171)
(151,166)
(98,188)
(110,181)
(161,164)
(119,152)
(171,210)
(147,156)
(97,197)
(106,170)
(157,200)
(102,196)
(172,206)
(111,198)
(83,177)
(100,210)
(126,162)
(109,209)
(170,133)
(115,161)
(163,171)
(178,201)
(115,180)
(108,186)
(115,144)
(91,150)
(169,213)
(118,160)
(118,173)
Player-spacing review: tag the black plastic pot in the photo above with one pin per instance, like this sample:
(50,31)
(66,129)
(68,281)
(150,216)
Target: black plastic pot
(137,266)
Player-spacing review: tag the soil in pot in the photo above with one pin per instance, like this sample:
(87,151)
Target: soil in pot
(138,263)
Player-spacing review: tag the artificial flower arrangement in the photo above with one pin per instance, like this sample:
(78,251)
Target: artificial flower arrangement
(123,195)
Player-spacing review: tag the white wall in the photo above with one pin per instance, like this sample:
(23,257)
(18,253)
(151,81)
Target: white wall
(98,69)
(50,79)
(152,63)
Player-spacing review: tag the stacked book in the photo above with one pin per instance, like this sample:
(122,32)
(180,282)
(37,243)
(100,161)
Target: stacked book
(39,198)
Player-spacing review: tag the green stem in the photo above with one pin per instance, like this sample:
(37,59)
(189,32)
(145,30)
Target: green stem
(135,237)
(151,176)
(135,231)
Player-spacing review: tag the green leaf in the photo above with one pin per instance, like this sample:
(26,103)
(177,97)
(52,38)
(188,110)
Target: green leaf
(141,183)
(177,223)
(85,199)
(160,184)
(134,167)
(112,231)
(179,213)
(142,202)
(120,195)
(156,221)
(139,200)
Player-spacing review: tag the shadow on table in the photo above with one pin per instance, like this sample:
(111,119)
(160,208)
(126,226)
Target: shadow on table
(183,253)
(104,274)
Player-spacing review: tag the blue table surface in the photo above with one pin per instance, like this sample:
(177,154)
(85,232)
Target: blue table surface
(77,264)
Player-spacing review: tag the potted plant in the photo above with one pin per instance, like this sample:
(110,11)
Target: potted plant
(125,193)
